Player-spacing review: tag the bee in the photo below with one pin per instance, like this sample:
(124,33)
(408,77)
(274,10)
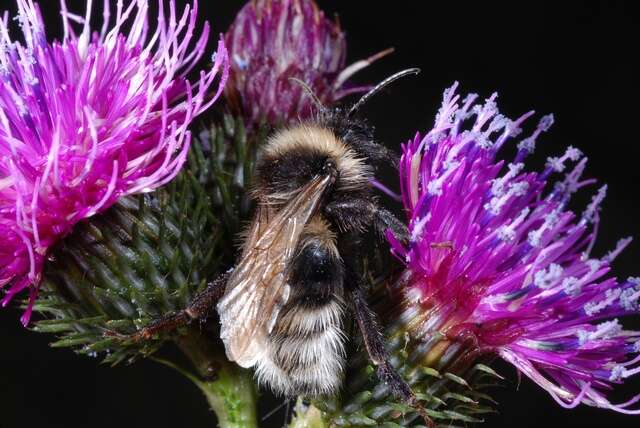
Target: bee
(283,306)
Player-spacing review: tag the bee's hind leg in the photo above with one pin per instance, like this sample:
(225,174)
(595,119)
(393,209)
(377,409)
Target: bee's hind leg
(374,343)
(200,308)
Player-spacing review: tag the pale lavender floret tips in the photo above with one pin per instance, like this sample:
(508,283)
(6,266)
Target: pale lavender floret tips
(512,265)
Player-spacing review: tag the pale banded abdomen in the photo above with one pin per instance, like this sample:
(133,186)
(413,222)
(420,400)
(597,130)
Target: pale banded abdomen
(305,351)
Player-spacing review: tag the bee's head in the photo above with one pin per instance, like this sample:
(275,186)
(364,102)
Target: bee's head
(334,142)
(294,156)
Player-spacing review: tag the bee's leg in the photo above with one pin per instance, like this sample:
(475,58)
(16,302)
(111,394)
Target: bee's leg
(374,343)
(378,153)
(360,213)
(200,308)
(385,220)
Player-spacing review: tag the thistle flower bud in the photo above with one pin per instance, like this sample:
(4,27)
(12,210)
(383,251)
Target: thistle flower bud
(89,120)
(272,41)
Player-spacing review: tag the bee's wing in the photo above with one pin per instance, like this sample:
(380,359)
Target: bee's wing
(257,288)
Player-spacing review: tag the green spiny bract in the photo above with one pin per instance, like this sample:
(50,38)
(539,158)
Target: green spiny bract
(449,385)
(148,255)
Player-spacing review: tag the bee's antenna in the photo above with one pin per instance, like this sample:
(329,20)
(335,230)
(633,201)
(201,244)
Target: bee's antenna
(309,91)
(380,86)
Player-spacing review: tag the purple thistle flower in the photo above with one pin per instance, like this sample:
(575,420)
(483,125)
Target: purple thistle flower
(272,41)
(89,120)
(495,256)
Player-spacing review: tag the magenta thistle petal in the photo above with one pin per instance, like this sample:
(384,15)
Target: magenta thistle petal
(495,255)
(91,119)
(272,41)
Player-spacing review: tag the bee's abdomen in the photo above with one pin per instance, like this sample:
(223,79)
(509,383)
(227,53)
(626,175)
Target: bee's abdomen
(305,354)
(316,274)
(305,349)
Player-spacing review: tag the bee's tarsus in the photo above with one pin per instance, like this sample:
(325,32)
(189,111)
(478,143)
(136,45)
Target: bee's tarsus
(374,343)
(385,220)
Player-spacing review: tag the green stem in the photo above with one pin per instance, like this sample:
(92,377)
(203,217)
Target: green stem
(229,389)
(232,397)
(307,417)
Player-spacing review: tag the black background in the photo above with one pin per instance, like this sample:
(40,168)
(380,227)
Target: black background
(576,59)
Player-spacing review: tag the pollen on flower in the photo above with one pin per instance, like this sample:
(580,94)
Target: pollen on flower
(620,246)
(418,227)
(519,189)
(497,123)
(546,278)
(593,308)
(591,212)
(558,163)
(528,144)
(603,331)
(485,111)
(535,236)
(594,265)
(573,154)
(507,233)
(618,373)
(499,183)
(512,128)
(515,189)
(629,299)
(546,122)
(571,285)
(462,114)
(434,187)
(572,182)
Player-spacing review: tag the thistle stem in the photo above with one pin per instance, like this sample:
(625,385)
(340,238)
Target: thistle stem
(233,399)
(307,417)
(229,389)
